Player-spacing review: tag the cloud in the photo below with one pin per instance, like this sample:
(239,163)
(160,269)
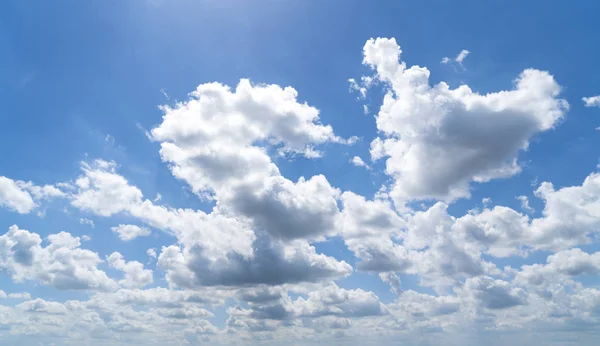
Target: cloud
(217,156)
(358,162)
(365,83)
(254,254)
(135,274)
(415,306)
(560,269)
(151,253)
(61,264)
(592,101)
(101,191)
(220,249)
(495,294)
(525,204)
(86,221)
(21,295)
(330,300)
(13,197)
(427,130)
(459,58)
(392,280)
(571,214)
(272,264)
(42,306)
(22,196)
(130,232)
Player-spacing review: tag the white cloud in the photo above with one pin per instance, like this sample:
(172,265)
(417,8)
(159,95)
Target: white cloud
(22,196)
(61,264)
(130,232)
(330,300)
(86,221)
(495,294)
(254,254)
(358,162)
(151,253)
(272,263)
(560,269)
(393,280)
(42,306)
(13,197)
(135,274)
(219,249)
(101,191)
(218,155)
(361,89)
(571,214)
(21,295)
(469,137)
(443,250)
(592,101)
(459,58)
(525,204)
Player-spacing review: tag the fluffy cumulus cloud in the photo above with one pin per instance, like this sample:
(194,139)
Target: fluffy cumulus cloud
(591,101)
(61,264)
(23,197)
(274,260)
(211,143)
(129,232)
(330,300)
(134,273)
(271,263)
(437,140)
(103,192)
(220,248)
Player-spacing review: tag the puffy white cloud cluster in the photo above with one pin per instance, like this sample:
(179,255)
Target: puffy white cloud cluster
(591,101)
(437,140)
(23,197)
(218,142)
(130,232)
(61,264)
(254,255)
(214,249)
(134,273)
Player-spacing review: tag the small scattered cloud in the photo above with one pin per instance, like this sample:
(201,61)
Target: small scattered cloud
(130,232)
(592,101)
(109,139)
(358,162)
(458,59)
(525,204)
(486,201)
(85,221)
(151,253)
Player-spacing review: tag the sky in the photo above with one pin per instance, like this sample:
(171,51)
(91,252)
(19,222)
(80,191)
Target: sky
(299,172)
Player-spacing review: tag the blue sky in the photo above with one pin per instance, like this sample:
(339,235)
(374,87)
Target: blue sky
(84,85)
